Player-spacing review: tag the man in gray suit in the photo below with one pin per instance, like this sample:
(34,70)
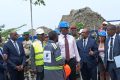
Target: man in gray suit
(112,49)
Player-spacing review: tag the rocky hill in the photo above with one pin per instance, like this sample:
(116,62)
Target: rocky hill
(86,16)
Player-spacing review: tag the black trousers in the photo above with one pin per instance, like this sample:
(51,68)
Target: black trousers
(16,75)
(2,77)
(72,64)
(88,73)
(113,71)
(40,75)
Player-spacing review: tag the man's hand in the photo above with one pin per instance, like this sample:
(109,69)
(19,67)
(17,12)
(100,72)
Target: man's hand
(5,56)
(33,71)
(18,68)
(78,66)
(91,52)
(21,67)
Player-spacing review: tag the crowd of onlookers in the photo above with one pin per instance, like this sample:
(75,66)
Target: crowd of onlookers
(88,54)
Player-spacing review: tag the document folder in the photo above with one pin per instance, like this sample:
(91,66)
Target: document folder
(117,61)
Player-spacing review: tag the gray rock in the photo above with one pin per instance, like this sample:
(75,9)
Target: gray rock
(86,16)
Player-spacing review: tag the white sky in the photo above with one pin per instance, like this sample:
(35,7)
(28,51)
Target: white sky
(14,13)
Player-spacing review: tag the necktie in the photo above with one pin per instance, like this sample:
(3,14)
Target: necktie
(67,49)
(16,47)
(111,49)
(84,43)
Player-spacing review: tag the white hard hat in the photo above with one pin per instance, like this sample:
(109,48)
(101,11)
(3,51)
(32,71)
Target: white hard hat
(104,22)
(40,31)
(80,31)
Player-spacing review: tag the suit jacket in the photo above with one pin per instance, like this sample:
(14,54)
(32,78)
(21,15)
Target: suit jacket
(1,64)
(14,58)
(91,60)
(116,48)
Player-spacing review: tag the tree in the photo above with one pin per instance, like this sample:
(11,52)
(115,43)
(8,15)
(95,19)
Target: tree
(79,25)
(38,2)
(5,33)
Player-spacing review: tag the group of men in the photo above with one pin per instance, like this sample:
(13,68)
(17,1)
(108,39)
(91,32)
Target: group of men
(47,59)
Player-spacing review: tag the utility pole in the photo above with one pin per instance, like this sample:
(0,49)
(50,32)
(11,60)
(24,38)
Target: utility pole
(31,18)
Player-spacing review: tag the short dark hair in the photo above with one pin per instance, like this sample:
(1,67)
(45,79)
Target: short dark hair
(111,27)
(52,35)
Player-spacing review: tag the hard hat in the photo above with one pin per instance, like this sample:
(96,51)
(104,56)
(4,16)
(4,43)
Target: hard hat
(40,31)
(64,24)
(102,33)
(26,33)
(57,31)
(105,23)
(67,70)
(80,31)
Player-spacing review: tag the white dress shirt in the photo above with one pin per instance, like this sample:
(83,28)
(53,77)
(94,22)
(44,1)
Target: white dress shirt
(73,51)
(86,41)
(109,47)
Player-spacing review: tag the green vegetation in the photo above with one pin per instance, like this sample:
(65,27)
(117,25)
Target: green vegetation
(79,25)
(6,32)
(38,2)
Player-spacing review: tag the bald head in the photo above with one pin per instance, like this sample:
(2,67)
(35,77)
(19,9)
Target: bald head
(14,35)
(85,33)
(85,30)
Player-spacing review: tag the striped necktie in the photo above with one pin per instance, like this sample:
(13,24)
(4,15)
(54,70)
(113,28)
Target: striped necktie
(16,47)
(111,49)
(84,43)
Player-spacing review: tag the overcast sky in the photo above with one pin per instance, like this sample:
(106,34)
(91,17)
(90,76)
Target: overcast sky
(14,13)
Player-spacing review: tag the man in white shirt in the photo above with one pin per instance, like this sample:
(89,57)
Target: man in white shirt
(68,48)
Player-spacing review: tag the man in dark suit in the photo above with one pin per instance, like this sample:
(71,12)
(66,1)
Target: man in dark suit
(88,51)
(112,49)
(2,69)
(16,57)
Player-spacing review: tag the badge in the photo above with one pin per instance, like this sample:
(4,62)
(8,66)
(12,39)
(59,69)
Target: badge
(47,56)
